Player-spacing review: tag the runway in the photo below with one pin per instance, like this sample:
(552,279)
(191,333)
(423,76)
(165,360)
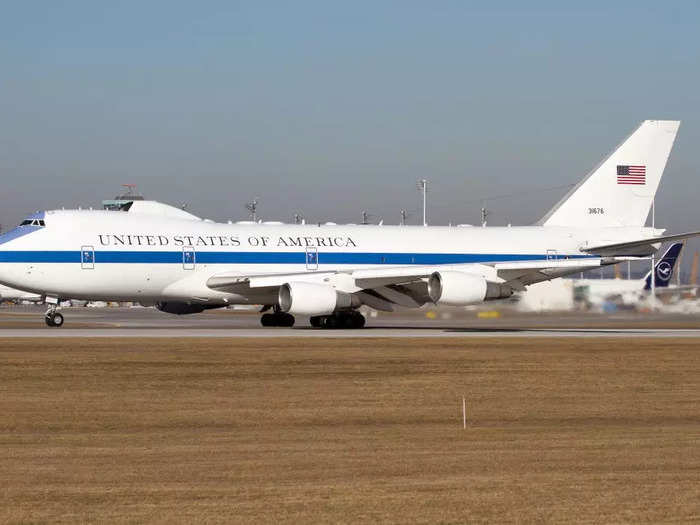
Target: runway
(25,322)
(343,334)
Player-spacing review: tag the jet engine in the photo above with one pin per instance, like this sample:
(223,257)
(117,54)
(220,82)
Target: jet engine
(314,299)
(180,308)
(461,289)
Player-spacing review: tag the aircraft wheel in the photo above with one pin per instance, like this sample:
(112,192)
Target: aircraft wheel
(330,322)
(286,320)
(267,320)
(54,320)
(316,321)
(358,320)
(347,320)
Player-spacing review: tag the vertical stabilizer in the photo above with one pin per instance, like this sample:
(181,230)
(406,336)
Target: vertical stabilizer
(663,270)
(620,190)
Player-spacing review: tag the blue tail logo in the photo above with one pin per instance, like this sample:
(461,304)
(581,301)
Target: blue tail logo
(663,271)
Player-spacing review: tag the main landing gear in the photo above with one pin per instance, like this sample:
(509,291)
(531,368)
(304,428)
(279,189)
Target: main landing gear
(278,318)
(347,320)
(53,318)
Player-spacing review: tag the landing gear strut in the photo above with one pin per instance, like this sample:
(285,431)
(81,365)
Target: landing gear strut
(278,318)
(347,320)
(52,317)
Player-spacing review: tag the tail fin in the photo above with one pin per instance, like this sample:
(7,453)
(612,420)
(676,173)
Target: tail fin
(620,190)
(663,270)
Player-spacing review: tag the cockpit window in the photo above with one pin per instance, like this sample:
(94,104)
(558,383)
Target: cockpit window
(32,222)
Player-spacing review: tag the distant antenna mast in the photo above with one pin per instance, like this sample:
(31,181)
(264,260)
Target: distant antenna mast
(403,217)
(365,217)
(423,187)
(252,208)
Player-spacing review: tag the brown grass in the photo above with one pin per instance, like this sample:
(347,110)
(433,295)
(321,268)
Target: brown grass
(300,430)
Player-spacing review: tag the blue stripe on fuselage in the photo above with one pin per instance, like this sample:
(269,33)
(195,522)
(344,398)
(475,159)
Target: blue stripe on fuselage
(154,257)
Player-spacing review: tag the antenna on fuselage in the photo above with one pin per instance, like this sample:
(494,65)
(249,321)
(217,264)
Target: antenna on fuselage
(252,208)
(484,214)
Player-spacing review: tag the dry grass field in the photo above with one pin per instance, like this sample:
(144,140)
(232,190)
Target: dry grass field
(306,430)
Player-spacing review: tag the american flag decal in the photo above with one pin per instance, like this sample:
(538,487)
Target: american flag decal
(631,174)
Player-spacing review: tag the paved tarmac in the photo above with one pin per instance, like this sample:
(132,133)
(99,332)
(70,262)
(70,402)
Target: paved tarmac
(27,321)
(365,333)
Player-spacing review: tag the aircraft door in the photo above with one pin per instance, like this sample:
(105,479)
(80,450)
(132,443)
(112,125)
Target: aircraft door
(188,258)
(311,258)
(87,257)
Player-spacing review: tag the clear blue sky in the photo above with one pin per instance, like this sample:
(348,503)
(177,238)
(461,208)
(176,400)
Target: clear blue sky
(330,108)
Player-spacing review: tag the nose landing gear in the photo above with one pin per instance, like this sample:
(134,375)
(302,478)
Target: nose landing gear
(346,320)
(53,318)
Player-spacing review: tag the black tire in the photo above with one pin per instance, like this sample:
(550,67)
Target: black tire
(330,322)
(58,320)
(267,320)
(287,320)
(359,320)
(48,319)
(347,320)
(316,321)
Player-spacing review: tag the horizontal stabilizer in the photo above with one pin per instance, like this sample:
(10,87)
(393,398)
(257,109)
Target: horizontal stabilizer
(640,248)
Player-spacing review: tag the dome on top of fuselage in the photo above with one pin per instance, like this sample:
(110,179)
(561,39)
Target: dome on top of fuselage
(144,207)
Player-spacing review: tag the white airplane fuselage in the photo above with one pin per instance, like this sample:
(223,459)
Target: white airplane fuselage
(111,255)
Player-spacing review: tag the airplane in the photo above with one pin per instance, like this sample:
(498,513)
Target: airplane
(631,291)
(155,254)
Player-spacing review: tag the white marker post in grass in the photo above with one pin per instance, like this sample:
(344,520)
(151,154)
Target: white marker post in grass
(464,412)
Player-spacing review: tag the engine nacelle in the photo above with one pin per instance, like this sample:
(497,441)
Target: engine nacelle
(461,288)
(313,299)
(179,308)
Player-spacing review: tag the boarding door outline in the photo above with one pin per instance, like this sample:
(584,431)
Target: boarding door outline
(552,255)
(311,258)
(87,257)
(189,258)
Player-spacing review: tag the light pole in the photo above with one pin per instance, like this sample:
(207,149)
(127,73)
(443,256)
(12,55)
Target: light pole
(423,186)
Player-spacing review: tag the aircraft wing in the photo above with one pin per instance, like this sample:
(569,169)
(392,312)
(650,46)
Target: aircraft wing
(640,248)
(381,288)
